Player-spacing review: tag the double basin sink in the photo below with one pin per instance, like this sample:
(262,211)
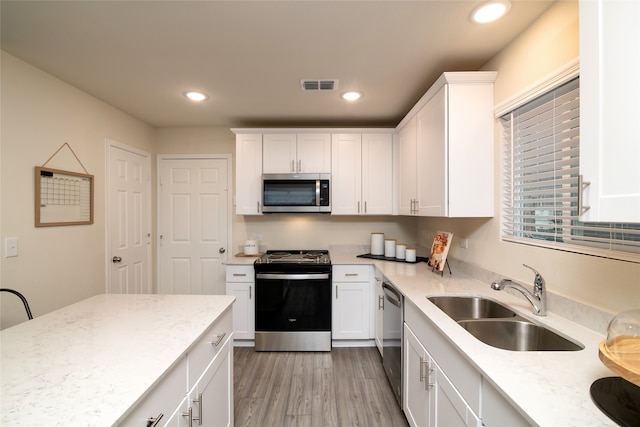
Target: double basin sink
(498,326)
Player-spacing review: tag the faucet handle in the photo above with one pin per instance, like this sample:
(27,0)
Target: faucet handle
(539,280)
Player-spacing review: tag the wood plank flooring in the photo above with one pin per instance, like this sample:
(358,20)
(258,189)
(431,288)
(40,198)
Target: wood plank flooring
(344,387)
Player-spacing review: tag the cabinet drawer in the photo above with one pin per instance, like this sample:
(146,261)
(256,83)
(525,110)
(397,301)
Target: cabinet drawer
(163,398)
(240,273)
(351,273)
(207,347)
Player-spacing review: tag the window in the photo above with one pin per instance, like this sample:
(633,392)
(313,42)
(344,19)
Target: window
(542,152)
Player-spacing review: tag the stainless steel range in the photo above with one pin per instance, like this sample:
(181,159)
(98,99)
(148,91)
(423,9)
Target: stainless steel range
(293,301)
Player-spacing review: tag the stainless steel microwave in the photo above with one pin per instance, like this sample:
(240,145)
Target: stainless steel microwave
(299,192)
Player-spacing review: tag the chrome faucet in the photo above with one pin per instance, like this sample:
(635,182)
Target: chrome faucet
(539,297)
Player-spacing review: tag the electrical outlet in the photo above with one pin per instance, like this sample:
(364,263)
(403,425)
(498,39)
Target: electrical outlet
(10,247)
(464,243)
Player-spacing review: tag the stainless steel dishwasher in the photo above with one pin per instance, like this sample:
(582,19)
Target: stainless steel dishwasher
(392,338)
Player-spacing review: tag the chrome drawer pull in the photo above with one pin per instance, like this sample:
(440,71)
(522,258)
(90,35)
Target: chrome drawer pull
(220,338)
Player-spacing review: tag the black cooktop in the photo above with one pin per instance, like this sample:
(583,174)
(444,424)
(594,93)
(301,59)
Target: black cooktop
(618,399)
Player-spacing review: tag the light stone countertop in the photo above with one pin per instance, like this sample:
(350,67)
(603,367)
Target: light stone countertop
(89,363)
(548,388)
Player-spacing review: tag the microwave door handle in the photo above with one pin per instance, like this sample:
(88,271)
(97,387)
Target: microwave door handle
(317,192)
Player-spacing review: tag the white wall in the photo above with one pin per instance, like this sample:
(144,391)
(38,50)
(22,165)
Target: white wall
(612,286)
(56,266)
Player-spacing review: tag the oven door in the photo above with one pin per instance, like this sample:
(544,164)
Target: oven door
(293,302)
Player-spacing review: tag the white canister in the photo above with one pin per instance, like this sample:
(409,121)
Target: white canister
(250,247)
(390,248)
(401,251)
(410,255)
(377,243)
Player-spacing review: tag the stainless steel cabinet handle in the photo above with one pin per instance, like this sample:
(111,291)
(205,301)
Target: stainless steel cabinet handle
(422,376)
(380,302)
(582,184)
(365,206)
(351,274)
(116,259)
(258,207)
(153,421)
(250,292)
(300,165)
(189,416)
(358,207)
(220,338)
(336,292)
(293,165)
(239,274)
(198,402)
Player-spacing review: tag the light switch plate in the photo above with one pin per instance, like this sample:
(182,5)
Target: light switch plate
(10,247)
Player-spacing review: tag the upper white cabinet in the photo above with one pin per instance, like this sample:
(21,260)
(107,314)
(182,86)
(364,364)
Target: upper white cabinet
(297,153)
(249,174)
(362,174)
(446,149)
(610,109)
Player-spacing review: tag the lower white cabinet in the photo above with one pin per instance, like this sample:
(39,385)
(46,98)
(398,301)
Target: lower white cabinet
(198,390)
(430,399)
(352,302)
(240,284)
(379,310)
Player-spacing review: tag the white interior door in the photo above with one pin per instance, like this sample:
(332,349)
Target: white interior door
(128,220)
(193,224)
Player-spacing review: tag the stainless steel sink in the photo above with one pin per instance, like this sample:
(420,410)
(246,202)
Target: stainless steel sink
(498,326)
(461,307)
(518,335)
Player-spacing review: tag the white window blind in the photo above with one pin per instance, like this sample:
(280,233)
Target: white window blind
(542,153)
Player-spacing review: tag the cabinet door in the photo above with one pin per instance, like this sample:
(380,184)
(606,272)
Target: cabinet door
(419,395)
(407,169)
(351,310)
(346,167)
(212,397)
(379,314)
(313,153)
(609,109)
(249,174)
(243,310)
(377,174)
(279,153)
(432,156)
(451,409)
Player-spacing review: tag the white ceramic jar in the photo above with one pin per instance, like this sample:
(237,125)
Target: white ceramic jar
(410,255)
(401,251)
(377,243)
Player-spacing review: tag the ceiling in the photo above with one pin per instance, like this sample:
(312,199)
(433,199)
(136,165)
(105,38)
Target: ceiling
(249,56)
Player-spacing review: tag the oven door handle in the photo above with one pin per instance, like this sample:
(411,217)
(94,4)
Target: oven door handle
(392,295)
(285,276)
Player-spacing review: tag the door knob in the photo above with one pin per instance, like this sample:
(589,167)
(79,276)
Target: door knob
(222,250)
(116,259)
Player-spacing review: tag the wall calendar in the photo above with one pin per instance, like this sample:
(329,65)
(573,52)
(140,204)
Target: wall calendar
(62,197)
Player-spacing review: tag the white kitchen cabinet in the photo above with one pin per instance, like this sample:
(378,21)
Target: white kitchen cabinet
(296,153)
(418,394)
(446,149)
(362,174)
(379,310)
(207,370)
(408,169)
(240,283)
(430,398)
(497,411)
(212,395)
(609,110)
(352,302)
(248,198)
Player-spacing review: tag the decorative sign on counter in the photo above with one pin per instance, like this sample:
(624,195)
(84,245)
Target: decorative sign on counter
(440,249)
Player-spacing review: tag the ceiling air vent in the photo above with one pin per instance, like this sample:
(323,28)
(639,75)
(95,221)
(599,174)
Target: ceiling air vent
(324,84)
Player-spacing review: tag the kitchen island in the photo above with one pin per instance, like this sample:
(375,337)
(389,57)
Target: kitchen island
(95,362)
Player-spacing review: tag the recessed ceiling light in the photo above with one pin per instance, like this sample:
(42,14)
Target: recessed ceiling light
(196,96)
(490,11)
(351,96)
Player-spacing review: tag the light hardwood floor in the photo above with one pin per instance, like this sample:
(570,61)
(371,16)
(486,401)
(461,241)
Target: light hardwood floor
(344,387)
